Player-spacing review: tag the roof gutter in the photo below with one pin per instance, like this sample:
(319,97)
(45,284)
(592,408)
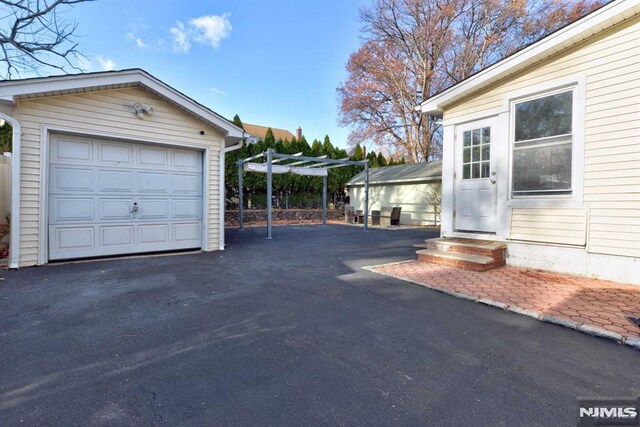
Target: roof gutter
(222,201)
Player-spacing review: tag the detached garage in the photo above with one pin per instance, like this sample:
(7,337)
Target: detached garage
(112,163)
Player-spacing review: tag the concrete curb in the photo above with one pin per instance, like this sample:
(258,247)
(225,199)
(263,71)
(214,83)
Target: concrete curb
(559,321)
(600,332)
(596,331)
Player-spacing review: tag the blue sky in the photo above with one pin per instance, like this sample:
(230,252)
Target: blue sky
(275,63)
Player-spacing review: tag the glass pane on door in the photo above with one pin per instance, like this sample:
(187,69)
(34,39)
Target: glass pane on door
(476,153)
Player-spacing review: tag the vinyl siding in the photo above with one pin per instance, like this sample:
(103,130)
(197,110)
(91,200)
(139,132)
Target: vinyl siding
(564,226)
(611,63)
(413,198)
(108,112)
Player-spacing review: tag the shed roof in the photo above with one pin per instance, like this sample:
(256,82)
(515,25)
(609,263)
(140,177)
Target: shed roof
(417,172)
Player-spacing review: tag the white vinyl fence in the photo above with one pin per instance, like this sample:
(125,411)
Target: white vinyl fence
(5,187)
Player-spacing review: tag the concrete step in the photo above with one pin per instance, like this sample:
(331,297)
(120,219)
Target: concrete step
(458,259)
(469,246)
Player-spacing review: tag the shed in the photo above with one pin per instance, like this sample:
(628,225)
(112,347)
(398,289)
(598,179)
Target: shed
(112,163)
(414,187)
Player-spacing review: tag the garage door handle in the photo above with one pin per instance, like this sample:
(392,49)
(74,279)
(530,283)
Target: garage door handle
(134,208)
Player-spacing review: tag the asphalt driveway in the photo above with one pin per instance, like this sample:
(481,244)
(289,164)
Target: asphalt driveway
(284,332)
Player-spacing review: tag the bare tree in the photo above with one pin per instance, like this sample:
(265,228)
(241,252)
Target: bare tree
(34,35)
(424,46)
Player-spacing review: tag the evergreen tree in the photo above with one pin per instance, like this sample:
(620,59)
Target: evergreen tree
(402,161)
(237,121)
(381,160)
(327,147)
(6,137)
(316,148)
(358,154)
(373,160)
(269,139)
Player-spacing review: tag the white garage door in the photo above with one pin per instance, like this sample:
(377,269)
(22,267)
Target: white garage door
(108,197)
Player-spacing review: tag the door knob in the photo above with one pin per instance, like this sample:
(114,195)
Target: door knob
(134,208)
(493,177)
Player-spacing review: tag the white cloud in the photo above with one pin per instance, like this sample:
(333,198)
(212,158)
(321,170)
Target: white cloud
(211,29)
(83,62)
(133,36)
(180,38)
(217,91)
(106,64)
(207,30)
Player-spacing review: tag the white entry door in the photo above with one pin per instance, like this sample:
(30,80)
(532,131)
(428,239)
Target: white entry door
(109,198)
(475,176)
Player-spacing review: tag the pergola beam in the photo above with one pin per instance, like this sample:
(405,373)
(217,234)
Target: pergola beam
(273,157)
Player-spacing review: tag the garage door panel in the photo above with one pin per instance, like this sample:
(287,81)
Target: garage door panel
(115,209)
(153,157)
(95,184)
(187,208)
(75,238)
(153,234)
(186,160)
(117,235)
(187,232)
(150,182)
(154,209)
(71,179)
(187,184)
(115,181)
(115,154)
(73,151)
(77,210)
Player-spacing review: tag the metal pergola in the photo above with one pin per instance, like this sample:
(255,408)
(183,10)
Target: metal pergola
(301,165)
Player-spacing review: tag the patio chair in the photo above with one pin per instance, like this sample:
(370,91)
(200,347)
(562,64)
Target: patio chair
(375,217)
(385,216)
(395,215)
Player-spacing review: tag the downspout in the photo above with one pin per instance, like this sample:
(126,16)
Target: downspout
(222,195)
(14,242)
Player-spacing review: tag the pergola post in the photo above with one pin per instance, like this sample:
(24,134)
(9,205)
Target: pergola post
(324,199)
(366,196)
(240,195)
(269,189)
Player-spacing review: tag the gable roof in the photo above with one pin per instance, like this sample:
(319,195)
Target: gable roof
(566,37)
(37,87)
(417,172)
(261,131)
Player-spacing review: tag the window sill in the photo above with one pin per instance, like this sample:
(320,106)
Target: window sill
(568,202)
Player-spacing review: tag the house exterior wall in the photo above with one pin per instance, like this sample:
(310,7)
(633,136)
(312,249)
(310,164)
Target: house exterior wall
(107,114)
(606,219)
(413,197)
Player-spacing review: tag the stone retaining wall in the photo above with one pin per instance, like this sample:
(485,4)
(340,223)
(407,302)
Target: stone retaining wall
(282,216)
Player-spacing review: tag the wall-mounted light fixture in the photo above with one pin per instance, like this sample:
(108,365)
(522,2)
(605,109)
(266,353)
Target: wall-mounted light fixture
(142,110)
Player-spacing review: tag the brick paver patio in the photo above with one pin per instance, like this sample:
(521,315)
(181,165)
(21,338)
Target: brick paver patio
(576,302)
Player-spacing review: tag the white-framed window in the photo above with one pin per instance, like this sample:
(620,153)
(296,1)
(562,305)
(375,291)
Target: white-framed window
(543,146)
